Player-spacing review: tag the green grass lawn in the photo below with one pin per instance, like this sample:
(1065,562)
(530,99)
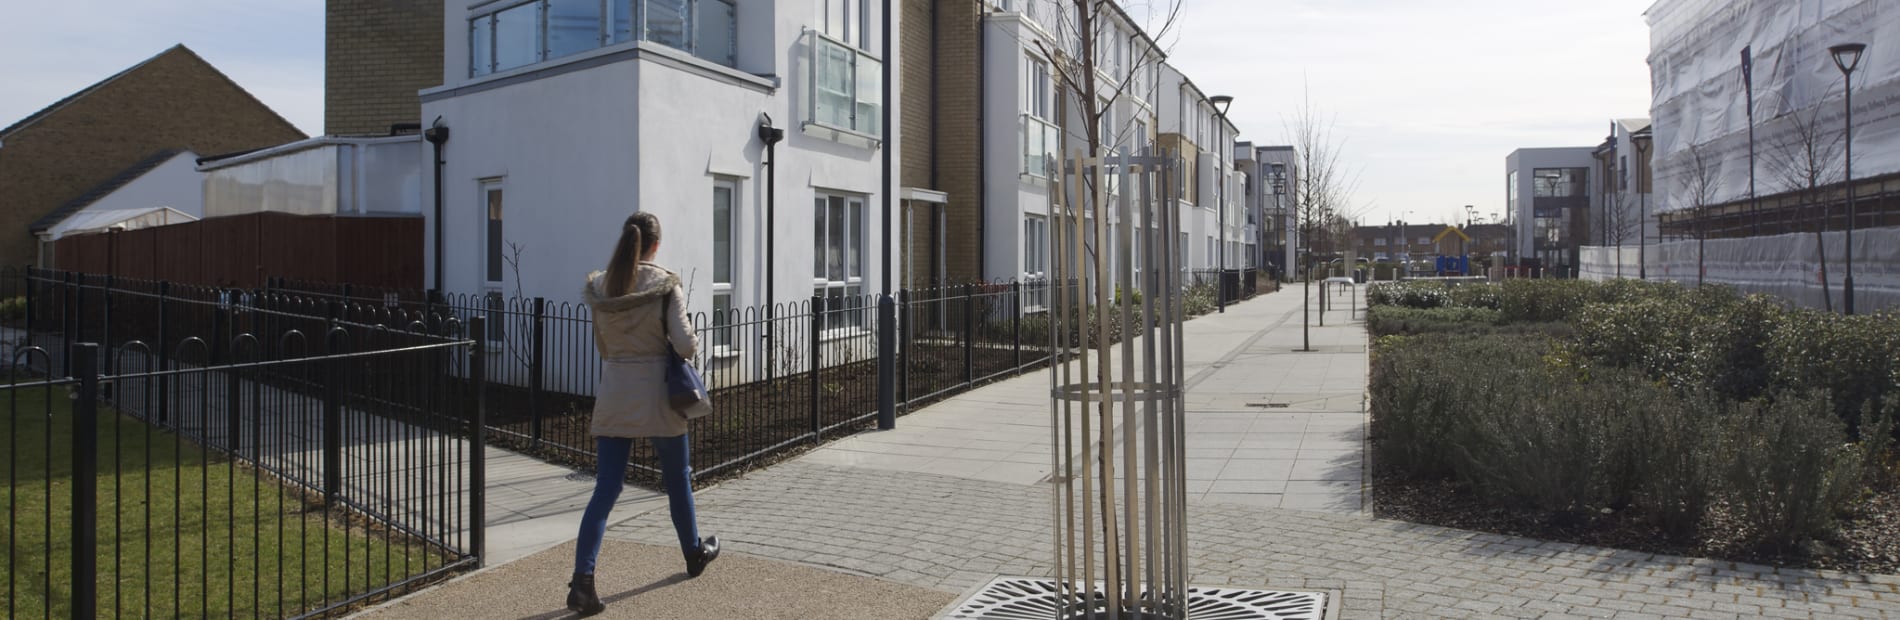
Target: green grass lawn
(182,531)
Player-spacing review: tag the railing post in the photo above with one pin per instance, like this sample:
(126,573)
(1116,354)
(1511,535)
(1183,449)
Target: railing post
(478,444)
(1016,321)
(28,281)
(817,332)
(903,341)
(85,516)
(969,334)
(332,420)
(536,359)
(164,356)
(76,307)
(886,362)
(105,323)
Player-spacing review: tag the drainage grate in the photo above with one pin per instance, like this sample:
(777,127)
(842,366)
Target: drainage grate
(1020,598)
(1269,405)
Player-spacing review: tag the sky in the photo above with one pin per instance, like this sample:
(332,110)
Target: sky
(1427,97)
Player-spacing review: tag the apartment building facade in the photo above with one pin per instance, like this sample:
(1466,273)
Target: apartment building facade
(1548,193)
(756,131)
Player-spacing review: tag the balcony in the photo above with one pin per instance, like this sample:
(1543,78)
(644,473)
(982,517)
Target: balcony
(1042,147)
(846,91)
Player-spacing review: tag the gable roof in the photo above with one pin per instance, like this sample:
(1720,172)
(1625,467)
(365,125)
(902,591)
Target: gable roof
(176,48)
(102,190)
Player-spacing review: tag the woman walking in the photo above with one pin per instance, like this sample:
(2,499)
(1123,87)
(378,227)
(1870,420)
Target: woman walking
(637,314)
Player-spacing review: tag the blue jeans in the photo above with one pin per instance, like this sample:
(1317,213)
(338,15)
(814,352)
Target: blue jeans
(611,465)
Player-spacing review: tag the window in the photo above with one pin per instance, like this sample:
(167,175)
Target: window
(1210,251)
(848,21)
(1557,182)
(523,33)
(725,192)
(1379,242)
(1035,246)
(492,232)
(1036,88)
(838,257)
(1035,262)
(494,262)
(847,87)
(1042,143)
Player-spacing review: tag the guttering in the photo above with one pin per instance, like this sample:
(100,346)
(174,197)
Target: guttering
(437,135)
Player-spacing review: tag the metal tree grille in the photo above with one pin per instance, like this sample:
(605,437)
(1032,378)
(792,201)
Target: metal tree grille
(1116,413)
(1019,598)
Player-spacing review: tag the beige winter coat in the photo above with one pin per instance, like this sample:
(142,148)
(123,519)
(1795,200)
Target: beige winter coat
(630,400)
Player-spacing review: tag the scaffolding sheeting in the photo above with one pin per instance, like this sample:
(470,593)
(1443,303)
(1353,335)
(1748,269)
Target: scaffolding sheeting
(1698,97)
(1786,266)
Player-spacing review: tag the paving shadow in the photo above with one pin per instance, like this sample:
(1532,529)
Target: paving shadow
(614,598)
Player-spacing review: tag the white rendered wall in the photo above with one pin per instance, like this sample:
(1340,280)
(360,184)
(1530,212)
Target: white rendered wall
(580,143)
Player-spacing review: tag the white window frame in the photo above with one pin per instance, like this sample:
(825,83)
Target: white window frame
(1035,261)
(861,87)
(493,208)
(723,344)
(852,285)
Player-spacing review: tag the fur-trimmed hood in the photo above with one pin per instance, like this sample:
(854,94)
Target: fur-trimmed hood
(651,284)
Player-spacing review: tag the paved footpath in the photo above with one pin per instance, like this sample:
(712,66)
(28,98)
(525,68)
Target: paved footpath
(956,495)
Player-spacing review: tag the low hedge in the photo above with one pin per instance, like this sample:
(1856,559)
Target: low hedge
(1514,418)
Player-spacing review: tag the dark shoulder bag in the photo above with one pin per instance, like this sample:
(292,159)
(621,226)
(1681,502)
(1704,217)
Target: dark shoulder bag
(685,391)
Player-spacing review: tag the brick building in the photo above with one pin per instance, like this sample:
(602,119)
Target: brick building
(174,100)
(377,55)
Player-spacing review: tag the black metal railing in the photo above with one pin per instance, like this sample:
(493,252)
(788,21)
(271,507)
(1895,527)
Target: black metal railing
(224,476)
(783,376)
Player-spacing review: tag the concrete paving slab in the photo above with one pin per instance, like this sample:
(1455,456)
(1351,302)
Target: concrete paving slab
(649,582)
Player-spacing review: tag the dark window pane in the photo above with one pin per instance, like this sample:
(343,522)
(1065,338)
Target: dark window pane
(854,239)
(834,241)
(722,235)
(494,235)
(818,239)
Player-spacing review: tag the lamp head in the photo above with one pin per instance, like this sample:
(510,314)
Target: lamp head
(1221,102)
(1847,56)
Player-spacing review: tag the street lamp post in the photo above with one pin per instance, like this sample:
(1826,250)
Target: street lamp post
(1847,57)
(1221,103)
(1748,89)
(1279,212)
(1641,142)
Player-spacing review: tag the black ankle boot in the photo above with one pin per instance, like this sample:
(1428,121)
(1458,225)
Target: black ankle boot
(708,551)
(581,598)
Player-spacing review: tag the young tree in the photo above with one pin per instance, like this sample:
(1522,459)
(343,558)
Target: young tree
(1805,158)
(1698,191)
(1323,189)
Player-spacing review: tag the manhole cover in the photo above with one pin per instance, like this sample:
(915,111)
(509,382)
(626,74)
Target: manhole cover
(1020,598)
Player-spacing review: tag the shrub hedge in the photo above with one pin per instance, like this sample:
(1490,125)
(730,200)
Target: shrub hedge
(1570,396)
